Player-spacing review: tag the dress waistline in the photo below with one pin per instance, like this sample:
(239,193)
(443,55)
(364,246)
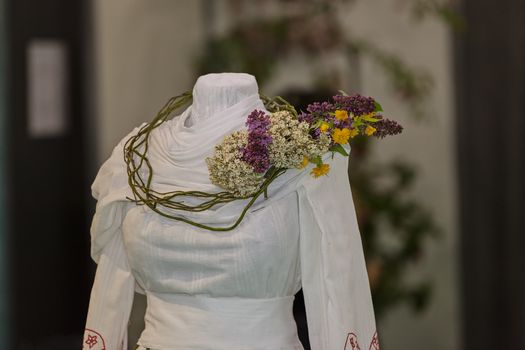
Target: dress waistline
(180,321)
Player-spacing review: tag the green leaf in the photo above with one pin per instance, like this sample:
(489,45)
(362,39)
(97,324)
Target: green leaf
(357,122)
(378,107)
(316,160)
(317,123)
(370,119)
(339,149)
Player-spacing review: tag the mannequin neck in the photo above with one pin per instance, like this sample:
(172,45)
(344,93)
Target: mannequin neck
(213,93)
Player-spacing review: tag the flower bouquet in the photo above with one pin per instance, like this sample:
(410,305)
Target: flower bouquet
(285,139)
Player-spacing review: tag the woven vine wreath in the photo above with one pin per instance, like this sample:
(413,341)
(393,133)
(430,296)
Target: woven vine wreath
(248,161)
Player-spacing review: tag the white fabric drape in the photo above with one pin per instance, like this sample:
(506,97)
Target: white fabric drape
(305,234)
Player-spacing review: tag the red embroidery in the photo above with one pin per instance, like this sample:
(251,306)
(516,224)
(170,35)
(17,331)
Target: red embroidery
(93,340)
(374,345)
(351,340)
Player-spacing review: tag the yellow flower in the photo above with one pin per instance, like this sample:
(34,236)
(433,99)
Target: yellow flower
(354,132)
(341,114)
(320,170)
(304,163)
(324,126)
(370,130)
(341,136)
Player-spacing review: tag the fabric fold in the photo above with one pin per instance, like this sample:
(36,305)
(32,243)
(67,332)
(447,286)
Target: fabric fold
(110,188)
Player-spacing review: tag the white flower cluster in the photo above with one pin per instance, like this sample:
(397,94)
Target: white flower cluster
(291,141)
(228,171)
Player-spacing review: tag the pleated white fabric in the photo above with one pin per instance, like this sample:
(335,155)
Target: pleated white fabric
(233,289)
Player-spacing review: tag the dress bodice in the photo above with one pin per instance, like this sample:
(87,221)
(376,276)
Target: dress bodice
(259,259)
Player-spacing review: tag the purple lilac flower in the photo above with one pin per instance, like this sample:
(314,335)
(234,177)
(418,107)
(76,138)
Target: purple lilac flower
(386,127)
(357,104)
(315,133)
(320,108)
(306,117)
(343,123)
(256,151)
(316,110)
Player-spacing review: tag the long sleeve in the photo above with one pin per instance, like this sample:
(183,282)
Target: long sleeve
(114,286)
(333,271)
(111,300)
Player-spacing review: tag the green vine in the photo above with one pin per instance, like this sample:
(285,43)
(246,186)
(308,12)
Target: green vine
(135,156)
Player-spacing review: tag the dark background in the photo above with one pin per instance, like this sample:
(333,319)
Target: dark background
(49,269)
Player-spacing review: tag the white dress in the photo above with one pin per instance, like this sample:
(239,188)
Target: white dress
(227,290)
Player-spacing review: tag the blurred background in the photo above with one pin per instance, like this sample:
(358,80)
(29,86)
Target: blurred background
(440,207)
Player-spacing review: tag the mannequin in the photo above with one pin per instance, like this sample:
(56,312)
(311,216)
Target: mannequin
(226,290)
